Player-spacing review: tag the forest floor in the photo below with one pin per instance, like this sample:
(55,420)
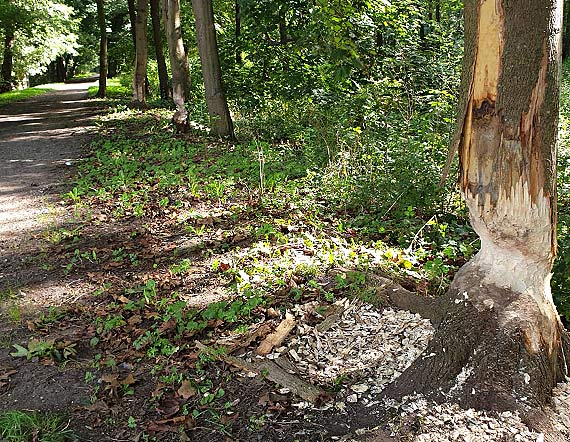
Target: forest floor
(147,293)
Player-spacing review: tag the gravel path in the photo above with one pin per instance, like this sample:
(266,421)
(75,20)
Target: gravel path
(40,139)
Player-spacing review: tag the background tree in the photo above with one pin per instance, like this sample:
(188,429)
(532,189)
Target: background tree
(178,62)
(141,55)
(102,92)
(158,50)
(221,121)
(498,324)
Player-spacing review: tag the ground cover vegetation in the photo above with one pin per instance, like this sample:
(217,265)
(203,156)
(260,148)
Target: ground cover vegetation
(342,115)
(10,97)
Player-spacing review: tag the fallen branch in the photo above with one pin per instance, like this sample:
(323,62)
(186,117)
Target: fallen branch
(276,374)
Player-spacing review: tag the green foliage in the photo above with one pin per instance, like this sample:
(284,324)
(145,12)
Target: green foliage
(561,273)
(115,90)
(38,348)
(43,30)
(19,426)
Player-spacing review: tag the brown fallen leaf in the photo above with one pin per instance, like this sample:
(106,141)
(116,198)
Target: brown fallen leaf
(186,390)
(134,320)
(129,380)
(168,406)
(170,425)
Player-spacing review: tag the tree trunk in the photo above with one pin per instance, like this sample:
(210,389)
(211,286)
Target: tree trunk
(157,37)
(221,124)
(238,32)
(139,77)
(102,92)
(178,62)
(60,69)
(438,11)
(8,58)
(133,20)
(499,342)
(566,32)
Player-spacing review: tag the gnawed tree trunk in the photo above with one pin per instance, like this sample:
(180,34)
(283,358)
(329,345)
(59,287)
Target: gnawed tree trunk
(8,58)
(102,92)
(141,51)
(160,61)
(499,342)
(178,62)
(221,121)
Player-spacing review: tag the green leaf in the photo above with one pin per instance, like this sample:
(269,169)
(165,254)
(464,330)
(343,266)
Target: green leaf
(21,351)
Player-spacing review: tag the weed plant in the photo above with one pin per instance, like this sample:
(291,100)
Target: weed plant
(19,426)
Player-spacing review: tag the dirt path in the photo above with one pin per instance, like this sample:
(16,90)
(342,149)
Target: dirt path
(40,139)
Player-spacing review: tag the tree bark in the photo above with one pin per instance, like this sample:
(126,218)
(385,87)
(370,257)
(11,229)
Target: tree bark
(157,37)
(139,77)
(178,62)
(8,58)
(102,92)
(221,122)
(500,343)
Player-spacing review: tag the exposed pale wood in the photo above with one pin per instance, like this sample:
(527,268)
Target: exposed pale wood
(276,338)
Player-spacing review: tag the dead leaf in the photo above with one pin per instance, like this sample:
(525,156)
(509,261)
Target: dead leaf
(168,407)
(223,266)
(129,380)
(134,320)
(168,425)
(186,390)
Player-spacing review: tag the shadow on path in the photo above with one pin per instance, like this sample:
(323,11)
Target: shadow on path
(40,139)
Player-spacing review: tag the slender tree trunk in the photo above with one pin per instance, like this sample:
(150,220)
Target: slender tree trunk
(157,37)
(8,58)
(139,77)
(566,33)
(102,92)
(221,124)
(499,342)
(178,62)
(438,11)
(238,32)
(133,20)
(60,69)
